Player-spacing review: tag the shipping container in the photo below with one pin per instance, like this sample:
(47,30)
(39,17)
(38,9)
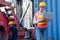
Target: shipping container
(54,25)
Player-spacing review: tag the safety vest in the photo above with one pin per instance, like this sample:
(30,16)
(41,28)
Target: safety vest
(39,17)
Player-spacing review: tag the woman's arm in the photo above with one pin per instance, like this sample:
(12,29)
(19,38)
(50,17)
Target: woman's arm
(34,20)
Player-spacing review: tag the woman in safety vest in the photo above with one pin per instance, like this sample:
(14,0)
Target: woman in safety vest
(42,24)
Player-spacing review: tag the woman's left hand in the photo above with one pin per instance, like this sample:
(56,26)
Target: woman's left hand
(45,19)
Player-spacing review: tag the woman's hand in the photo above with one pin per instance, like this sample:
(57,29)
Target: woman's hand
(45,19)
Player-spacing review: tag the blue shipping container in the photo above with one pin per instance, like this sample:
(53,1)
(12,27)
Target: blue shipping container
(54,25)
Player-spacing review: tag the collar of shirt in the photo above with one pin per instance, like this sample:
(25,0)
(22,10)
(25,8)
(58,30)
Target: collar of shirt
(41,12)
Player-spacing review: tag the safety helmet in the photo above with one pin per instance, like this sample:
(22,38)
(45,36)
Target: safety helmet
(42,4)
(10,23)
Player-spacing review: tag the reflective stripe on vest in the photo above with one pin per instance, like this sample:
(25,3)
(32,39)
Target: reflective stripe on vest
(42,22)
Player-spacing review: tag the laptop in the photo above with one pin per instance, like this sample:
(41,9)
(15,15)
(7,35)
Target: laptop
(48,15)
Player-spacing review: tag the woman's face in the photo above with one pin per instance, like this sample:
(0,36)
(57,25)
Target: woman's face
(42,9)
